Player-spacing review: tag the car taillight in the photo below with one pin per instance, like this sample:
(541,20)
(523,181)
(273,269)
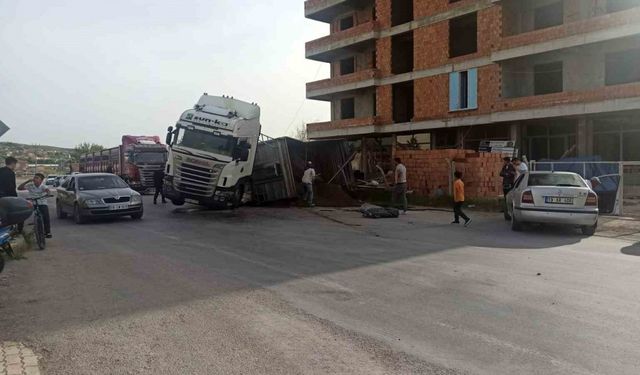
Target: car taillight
(527,197)
(592,200)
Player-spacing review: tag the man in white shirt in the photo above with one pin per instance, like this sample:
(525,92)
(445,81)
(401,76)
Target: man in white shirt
(307,182)
(37,188)
(521,167)
(400,188)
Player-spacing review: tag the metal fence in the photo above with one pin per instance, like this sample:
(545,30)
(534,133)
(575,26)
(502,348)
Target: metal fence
(619,189)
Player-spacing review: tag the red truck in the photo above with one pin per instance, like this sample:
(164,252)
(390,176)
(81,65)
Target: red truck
(135,160)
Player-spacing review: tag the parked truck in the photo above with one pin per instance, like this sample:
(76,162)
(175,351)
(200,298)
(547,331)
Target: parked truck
(211,152)
(135,160)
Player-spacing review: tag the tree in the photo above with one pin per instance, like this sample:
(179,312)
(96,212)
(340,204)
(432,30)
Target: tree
(301,132)
(84,148)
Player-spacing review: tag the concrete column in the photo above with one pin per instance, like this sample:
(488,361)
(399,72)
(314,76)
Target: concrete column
(582,137)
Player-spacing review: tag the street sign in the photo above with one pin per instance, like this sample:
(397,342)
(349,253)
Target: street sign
(3,128)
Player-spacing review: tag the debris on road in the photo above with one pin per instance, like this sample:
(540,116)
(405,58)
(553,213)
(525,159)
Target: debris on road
(377,212)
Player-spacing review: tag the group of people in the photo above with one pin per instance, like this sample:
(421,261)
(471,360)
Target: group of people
(36,188)
(512,168)
(399,193)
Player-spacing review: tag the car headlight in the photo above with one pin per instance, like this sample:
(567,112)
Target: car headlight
(93,202)
(136,199)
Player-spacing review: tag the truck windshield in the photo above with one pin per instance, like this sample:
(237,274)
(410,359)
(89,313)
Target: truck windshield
(206,141)
(149,157)
(101,183)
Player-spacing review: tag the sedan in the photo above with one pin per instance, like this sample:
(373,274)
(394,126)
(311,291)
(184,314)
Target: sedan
(95,195)
(553,198)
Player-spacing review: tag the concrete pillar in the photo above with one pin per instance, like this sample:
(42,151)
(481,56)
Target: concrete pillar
(582,137)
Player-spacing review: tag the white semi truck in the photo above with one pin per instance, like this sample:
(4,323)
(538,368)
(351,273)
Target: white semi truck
(211,153)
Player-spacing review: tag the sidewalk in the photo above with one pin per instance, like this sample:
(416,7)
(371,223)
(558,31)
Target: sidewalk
(16,359)
(625,228)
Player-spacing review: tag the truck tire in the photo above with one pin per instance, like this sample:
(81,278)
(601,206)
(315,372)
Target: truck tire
(177,202)
(77,216)
(1,262)
(59,212)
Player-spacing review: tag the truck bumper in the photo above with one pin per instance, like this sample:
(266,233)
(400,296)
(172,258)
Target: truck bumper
(222,198)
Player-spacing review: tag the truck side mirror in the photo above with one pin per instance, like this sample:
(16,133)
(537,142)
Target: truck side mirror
(169,135)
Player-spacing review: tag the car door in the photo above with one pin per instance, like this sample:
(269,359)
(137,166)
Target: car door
(515,192)
(68,194)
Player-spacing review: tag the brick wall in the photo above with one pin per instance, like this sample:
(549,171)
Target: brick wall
(383,104)
(429,169)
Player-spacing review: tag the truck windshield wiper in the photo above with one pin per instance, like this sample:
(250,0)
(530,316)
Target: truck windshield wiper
(200,155)
(568,185)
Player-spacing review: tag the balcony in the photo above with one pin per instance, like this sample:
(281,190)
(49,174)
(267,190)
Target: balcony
(341,127)
(591,30)
(323,89)
(325,48)
(325,10)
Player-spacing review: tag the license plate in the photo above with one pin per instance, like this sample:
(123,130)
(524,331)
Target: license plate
(558,200)
(114,207)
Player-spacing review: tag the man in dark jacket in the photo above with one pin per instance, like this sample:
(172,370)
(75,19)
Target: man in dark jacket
(158,181)
(8,181)
(8,178)
(508,174)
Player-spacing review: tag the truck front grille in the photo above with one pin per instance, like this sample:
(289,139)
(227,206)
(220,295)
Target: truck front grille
(196,180)
(146,174)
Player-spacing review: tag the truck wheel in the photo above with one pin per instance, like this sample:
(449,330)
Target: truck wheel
(177,202)
(77,216)
(238,193)
(589,230)
(59,213)
(137,216)
(1,262)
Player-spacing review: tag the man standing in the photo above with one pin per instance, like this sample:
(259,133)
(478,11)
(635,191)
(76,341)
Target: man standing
(400,188)
(458,200)
(8,178)
(158,182)
(307,182)
(36,189)
(520,166)
(508,174)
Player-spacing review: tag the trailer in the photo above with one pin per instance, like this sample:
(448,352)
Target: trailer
(135,160)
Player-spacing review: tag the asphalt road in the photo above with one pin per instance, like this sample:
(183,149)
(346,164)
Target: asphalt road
(288,291)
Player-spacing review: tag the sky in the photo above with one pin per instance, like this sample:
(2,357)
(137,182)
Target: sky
(75,71)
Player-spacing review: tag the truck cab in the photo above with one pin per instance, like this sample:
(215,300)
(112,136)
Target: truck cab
(211,152)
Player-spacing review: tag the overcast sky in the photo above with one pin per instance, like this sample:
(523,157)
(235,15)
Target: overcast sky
(86,70)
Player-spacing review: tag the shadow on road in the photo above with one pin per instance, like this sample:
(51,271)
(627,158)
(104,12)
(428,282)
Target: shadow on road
(631,250)
(177,255)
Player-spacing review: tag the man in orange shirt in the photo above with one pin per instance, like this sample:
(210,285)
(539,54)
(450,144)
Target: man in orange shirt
(458,200)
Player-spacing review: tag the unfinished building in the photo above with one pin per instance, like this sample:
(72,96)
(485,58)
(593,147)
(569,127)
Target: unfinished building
(560,78)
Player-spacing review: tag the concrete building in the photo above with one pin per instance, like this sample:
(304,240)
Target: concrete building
(561,78)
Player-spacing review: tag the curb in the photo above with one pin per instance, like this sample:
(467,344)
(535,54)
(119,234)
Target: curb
(16,359)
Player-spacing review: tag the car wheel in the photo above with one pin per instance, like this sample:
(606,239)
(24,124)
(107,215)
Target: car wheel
(589,230)
(77,216)
(137,216)
(516,226)
(59,212)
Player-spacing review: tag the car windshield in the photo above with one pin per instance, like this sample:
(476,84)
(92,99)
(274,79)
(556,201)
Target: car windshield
(206,141)
(149,157)
(555,179)
(100,183)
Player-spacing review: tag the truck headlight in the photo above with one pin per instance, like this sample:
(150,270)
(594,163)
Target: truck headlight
(136,199)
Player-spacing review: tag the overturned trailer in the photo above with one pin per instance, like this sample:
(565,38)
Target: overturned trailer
(280,164)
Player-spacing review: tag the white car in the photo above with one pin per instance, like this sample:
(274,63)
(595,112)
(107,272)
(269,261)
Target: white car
(553,198)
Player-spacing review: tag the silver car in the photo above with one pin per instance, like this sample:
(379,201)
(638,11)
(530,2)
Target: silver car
(94,195)
(552,198)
